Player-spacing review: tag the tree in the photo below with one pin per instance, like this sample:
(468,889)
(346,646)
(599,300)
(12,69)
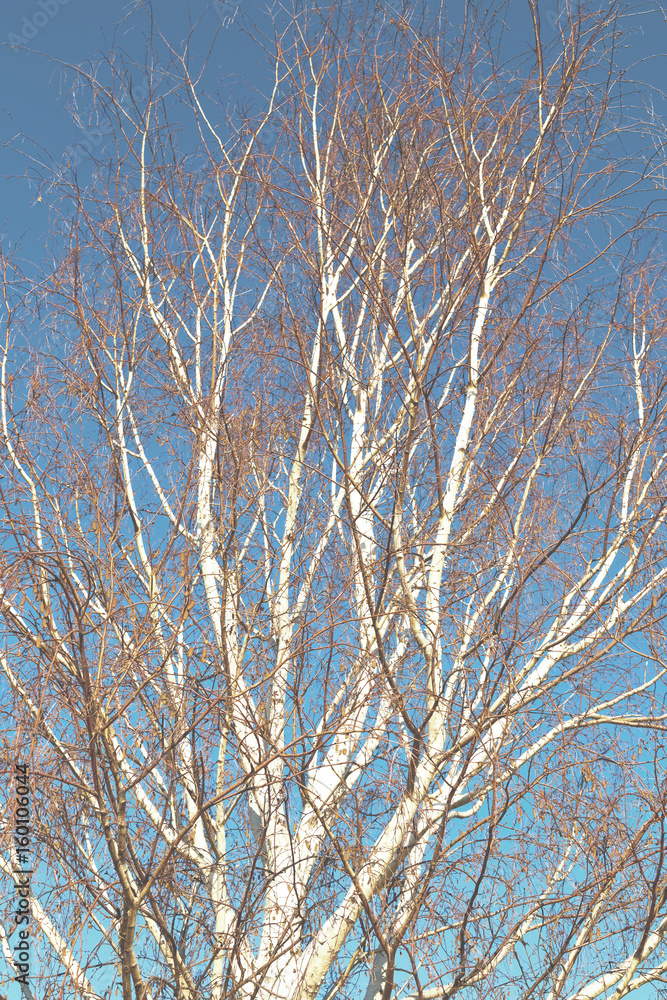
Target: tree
(334,529)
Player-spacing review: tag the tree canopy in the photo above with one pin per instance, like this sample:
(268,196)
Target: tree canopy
(333,525)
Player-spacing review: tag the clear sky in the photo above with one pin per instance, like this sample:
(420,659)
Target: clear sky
(33,102)
(76,31)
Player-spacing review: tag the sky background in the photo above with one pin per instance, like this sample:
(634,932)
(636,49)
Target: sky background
(33,110)
(66,33)
(35,121)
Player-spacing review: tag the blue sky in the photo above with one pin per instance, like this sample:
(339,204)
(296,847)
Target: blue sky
(76,31)
(33,106)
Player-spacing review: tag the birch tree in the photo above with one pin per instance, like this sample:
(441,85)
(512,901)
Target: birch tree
(333,528)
